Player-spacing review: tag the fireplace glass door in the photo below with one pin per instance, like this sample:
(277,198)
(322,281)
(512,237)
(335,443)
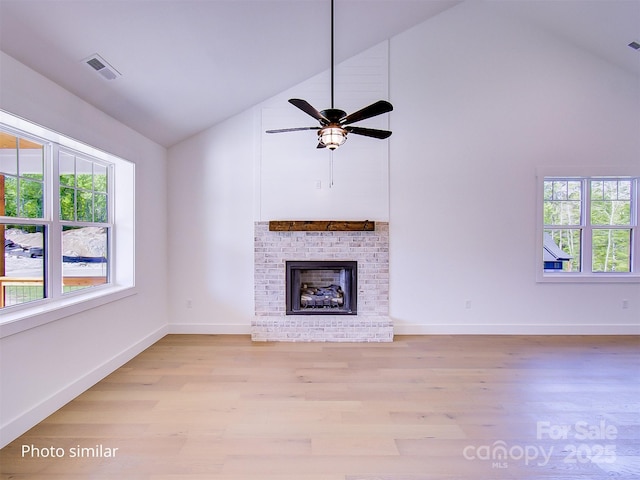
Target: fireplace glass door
(321,287)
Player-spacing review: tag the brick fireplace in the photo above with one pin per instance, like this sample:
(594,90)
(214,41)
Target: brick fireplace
(368,249)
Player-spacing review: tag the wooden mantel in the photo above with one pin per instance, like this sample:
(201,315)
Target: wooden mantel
(321,226)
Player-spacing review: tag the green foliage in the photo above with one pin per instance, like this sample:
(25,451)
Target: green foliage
(10,196)
(80,199)
(83,197)
(23,197)
(565,212)
(68,180)
(611,250)
(562,205)
(67,203)
(31,199)
(100,207)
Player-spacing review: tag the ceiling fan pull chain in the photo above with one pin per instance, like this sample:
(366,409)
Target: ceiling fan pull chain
(331,170)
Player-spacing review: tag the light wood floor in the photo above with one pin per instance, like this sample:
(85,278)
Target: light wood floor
(420,408)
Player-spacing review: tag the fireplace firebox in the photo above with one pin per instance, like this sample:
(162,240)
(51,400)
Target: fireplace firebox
(321,287)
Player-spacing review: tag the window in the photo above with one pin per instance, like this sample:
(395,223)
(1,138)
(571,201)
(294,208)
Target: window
(83,186)
(58,221)
(590,228)
(22,202)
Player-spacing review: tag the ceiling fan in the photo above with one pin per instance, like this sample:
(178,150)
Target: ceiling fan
(335,124)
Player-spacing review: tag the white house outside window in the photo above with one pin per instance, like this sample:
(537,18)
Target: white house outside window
(590,228)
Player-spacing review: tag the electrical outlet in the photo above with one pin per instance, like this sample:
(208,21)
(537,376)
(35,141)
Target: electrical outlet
(189,303)
(467,304)
(625,304)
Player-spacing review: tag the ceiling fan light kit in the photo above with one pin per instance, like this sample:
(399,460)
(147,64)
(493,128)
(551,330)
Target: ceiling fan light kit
(335,124)
(332,137)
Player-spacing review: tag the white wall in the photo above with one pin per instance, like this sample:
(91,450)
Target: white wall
(481,102)
(211,204)
(44,367)
(233,174)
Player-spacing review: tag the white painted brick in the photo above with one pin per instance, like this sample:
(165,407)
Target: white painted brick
(369,249)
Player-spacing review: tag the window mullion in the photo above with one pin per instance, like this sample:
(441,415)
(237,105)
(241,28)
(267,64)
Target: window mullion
(54,233)
(111,221)
(587,231)
(635,229)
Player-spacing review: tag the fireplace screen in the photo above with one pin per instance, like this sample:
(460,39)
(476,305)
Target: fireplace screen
(321,287)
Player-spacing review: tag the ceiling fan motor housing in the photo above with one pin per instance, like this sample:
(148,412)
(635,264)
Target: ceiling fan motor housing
(334,115)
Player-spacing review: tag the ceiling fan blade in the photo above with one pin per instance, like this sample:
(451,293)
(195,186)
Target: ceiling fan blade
(309,110)
(295,129)
(369,132)
(381,106)
(321,145)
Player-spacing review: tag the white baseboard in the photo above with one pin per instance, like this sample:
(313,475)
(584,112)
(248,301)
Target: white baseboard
(437,329)
(209,329)
(19,425)
(421,329)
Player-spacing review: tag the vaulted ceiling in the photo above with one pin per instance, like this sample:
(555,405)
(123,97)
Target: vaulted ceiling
(186,65)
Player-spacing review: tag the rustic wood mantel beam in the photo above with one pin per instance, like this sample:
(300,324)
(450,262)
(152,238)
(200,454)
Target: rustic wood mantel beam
(321,226)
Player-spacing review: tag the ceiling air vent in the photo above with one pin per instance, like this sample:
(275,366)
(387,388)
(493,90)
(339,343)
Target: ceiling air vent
(635,45)
(101,66)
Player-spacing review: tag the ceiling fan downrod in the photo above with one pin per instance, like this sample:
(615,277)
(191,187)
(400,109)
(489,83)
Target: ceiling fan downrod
(332,54)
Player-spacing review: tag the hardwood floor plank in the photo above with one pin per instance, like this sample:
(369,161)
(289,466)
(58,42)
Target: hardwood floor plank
(194,407)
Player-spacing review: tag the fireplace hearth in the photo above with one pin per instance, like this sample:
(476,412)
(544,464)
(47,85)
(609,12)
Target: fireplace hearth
(321,287)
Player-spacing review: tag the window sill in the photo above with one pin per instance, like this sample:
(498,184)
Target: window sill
(583,278)
(25,317)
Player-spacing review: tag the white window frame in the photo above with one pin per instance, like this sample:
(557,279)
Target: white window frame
(586,275)
(121,242)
